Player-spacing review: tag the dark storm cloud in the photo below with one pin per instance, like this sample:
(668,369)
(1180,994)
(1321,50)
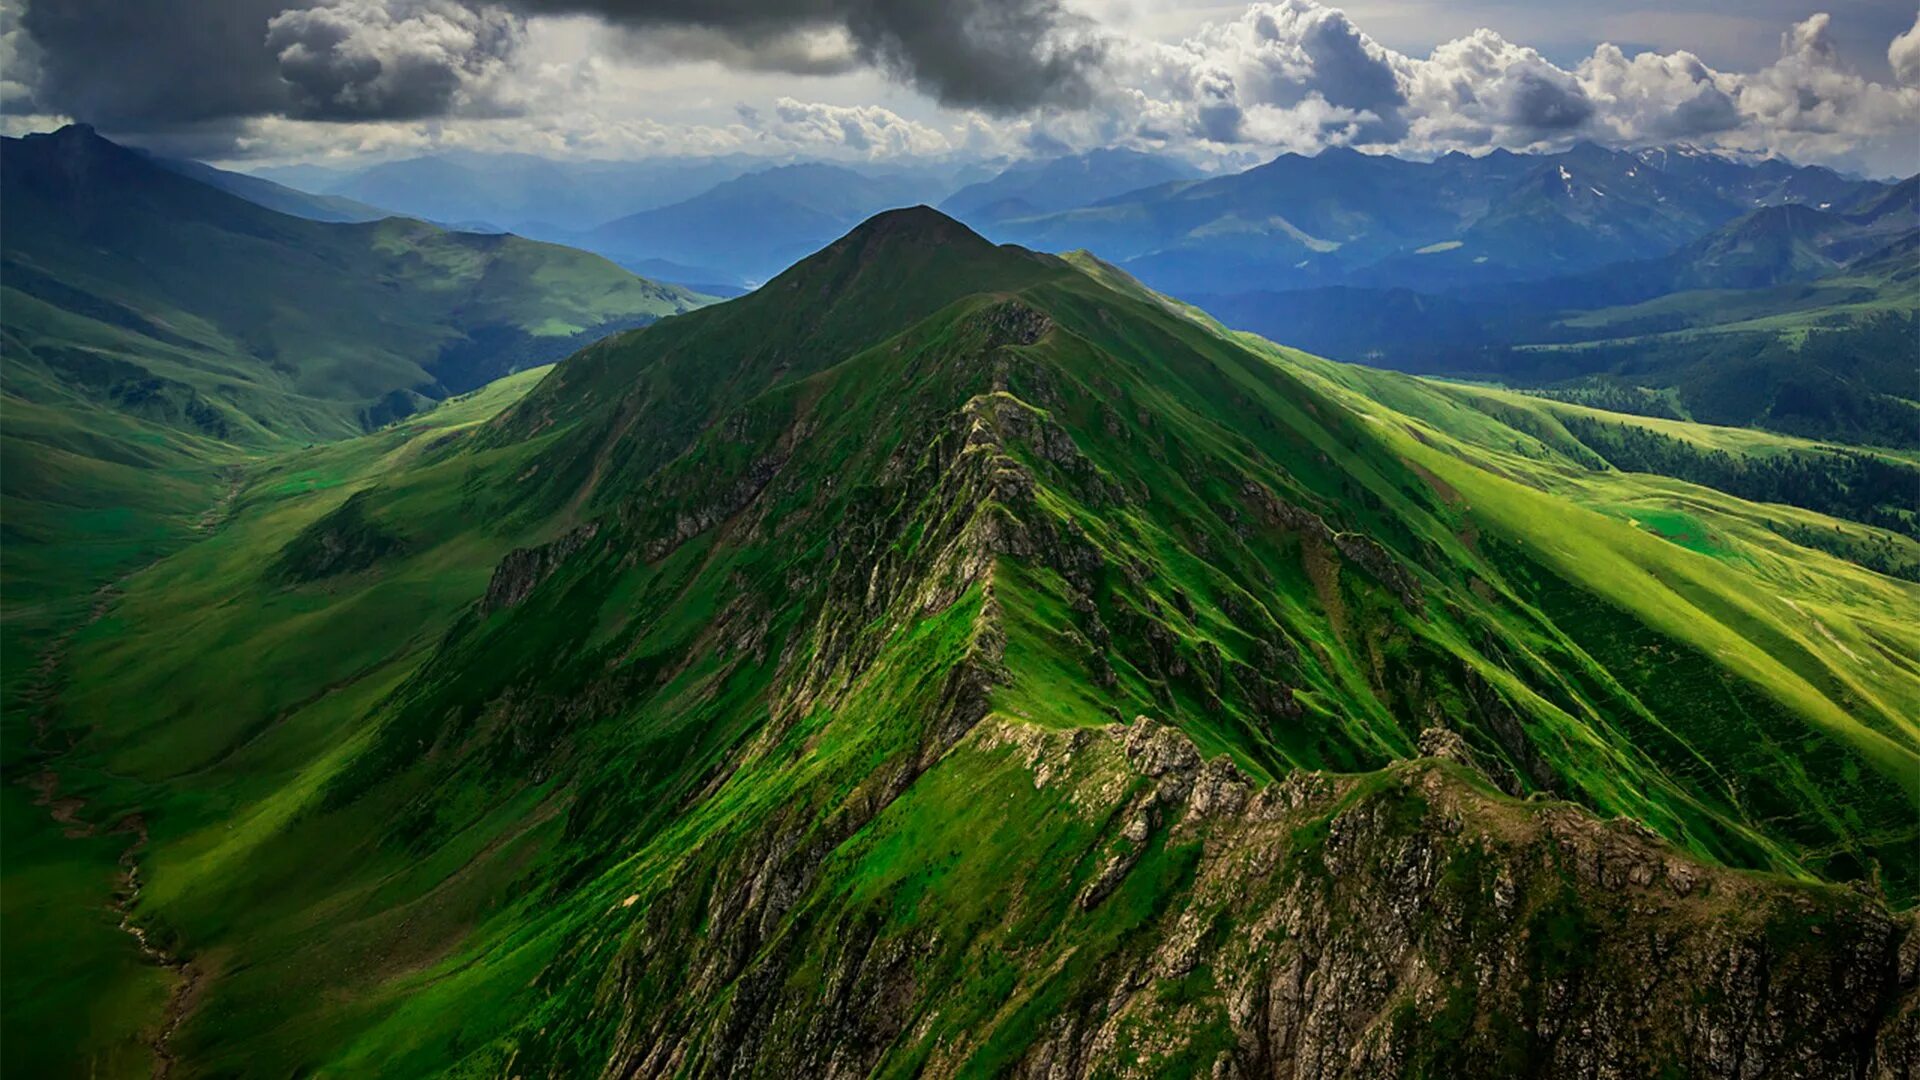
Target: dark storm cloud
(150,65)
(133,64)
(157,65)
(999,55)
(381,59)
(1349,74)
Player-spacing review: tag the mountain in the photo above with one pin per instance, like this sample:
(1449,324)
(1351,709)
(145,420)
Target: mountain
(252,323)
(276,197)
(522,193)
(1033,187)
(1788,316)
(752,226)
(1346,218)
(950,659)
(158,329)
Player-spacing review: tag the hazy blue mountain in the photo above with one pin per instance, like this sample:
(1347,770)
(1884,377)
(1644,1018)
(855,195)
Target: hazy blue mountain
(754,225)
(1790,316)
(276,196)
(1030,188)
(520,193)
(1342,217)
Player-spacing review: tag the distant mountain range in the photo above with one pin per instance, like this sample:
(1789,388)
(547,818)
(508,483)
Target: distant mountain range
(1718,326)
(274,196)
(1587,271)
(1051,185)
(520,193)
(1347,218)
(753,226)
(1340,218)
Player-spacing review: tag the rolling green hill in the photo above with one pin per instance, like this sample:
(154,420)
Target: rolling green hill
(254,324)
(953,660)
(158,331)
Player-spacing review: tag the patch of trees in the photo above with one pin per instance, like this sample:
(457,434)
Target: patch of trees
(1839,482)
(1853,383)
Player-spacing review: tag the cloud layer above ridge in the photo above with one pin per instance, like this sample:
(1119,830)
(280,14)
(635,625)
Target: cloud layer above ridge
(894,78)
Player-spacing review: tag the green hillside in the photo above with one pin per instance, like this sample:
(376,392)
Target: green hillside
(158,331)
(951,660)
(246,324)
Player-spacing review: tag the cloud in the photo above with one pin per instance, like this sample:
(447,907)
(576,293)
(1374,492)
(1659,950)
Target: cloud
(995,77)
(147,65)
(1280,56)
(1484,90)
(1654,96)
(1808,104)
(369,59)
(1297,75)
(866,130)
(1003,56)
(144,66)
(19,64)
(1279,72)
(1904,55)
(827,51)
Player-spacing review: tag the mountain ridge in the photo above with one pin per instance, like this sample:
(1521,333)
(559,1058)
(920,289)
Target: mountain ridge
(98,225)
(721,683)
(1385,221)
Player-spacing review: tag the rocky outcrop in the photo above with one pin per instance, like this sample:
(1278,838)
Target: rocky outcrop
(1011,322)
(523,569)
(1409,922)
(1362,551)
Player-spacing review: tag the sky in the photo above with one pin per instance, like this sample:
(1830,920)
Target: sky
(257,82)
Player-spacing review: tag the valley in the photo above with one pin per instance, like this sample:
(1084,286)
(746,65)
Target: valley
(951,659)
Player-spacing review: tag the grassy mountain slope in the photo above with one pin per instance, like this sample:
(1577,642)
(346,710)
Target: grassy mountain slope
(751,696)
(258,320)
(96,1016)
(158,329)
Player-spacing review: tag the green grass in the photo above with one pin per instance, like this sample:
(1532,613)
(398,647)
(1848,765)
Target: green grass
(865,548)
(79,999)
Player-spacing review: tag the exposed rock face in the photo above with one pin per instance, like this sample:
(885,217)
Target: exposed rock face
(523,569)
(1011,322)
(1418,925)
(1357,549)
(1402,923)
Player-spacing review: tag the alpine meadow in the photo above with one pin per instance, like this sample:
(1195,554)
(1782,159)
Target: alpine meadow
(1049,539)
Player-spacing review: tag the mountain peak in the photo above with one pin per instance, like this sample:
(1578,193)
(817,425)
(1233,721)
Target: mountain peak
(914,224)
(72,138)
